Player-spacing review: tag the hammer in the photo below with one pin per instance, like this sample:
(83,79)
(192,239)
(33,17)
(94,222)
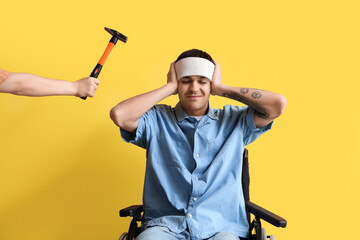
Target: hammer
(115,36)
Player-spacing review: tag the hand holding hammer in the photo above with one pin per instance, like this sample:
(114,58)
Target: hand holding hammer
(115,36)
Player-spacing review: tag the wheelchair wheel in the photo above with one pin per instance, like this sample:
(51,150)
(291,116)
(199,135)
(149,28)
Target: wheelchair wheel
(263,234)
(272,237)
(123,236)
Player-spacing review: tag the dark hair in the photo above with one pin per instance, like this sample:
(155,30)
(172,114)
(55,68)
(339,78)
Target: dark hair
(195,53)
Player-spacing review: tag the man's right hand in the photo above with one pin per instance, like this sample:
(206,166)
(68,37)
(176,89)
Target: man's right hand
(172,80)
(126,114)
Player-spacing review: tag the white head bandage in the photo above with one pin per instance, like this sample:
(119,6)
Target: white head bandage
(194,66)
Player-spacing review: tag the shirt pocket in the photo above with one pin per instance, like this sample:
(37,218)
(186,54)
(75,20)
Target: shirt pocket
(171,153)
(214,148)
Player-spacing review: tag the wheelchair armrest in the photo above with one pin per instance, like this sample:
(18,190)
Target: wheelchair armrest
(265,214)
(132,211)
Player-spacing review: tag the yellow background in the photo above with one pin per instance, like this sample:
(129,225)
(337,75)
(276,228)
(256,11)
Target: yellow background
(64,170)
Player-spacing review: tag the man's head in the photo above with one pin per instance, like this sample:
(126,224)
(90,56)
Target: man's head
(195,53)
(194,69)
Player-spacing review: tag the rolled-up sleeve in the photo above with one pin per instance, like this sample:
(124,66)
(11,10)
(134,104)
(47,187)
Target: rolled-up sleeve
(139,137)
(147,125)
(3,75)
(250,131)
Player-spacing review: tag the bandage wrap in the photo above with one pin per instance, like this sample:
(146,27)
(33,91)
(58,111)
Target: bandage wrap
(194,66)
(3,75)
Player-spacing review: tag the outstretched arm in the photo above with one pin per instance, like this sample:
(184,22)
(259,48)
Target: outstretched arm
(267,105)
(126,114)
(27,84)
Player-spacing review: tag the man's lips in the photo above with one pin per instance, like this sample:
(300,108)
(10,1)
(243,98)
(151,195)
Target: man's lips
(194,96)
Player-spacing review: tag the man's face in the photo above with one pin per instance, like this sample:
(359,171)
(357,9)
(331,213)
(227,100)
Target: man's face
(194,93)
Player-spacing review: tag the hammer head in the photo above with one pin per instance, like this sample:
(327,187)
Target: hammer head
(116,35)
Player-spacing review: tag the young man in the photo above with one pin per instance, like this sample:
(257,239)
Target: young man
(192,186)
(27,84)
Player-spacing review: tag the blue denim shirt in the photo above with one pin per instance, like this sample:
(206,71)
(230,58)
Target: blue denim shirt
(193,169)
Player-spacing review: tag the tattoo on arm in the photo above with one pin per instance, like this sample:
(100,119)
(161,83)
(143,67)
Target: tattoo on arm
(256,95)
(259,110)
(244,90)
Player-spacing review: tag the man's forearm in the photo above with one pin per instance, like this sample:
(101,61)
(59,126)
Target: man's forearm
(267,105)
(127,112)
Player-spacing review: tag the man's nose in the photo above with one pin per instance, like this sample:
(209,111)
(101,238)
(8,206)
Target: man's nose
(194,87)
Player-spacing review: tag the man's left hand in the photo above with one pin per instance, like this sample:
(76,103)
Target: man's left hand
(216,80)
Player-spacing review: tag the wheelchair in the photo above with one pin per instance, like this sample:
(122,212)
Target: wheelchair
(254,212)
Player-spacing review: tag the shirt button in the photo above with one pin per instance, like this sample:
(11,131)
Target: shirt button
(197,155)
(197,129)
(196,178)
(190,216)
(195,199)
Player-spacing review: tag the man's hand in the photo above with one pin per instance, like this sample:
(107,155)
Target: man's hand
(86,87)
(172,80)
(216,80)
(127,113)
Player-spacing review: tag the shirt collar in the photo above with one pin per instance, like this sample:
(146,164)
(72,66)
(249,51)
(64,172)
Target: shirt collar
(181,114)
